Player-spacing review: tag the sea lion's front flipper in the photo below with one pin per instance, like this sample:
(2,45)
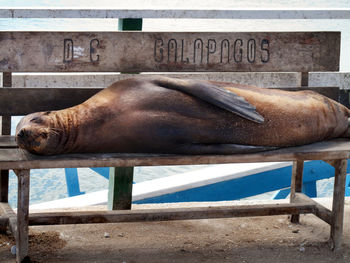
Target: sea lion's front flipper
(197,148)
(213,94)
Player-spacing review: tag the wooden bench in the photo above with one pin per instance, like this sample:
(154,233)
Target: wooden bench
(301,52)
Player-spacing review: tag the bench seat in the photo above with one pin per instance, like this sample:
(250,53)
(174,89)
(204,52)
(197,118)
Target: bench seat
(12,157)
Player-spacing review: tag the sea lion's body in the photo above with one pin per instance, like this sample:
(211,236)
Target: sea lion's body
(160,116)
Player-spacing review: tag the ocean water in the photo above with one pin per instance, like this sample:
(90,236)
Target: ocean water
(50,184)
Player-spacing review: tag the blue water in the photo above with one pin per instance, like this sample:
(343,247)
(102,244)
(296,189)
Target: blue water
(50,184)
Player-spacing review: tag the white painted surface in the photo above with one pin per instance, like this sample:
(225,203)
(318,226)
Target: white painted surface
(193,13)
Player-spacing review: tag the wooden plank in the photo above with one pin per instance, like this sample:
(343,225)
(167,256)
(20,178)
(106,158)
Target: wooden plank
(5,209)
(166,214)
(338,204)
(174,11)
(8,141)
(331,162)
(4,185)
(25,100)
(320,211)
(8,218)
(305,79)
(4,222)
(5,120)
(296,184)
(166,51)
(22,101)
(7,79)
(120,188)
(103,79)
(22,215)
(330,79)
(6,212)
(20,159)
(5,130)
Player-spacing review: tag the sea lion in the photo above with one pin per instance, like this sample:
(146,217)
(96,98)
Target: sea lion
(167,115)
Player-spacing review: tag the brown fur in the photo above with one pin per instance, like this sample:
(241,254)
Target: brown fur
(136,115)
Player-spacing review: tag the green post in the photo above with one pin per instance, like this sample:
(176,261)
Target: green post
(120,188)
(130,24)
(120,178)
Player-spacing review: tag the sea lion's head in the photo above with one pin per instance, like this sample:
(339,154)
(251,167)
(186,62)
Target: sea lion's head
(37,133)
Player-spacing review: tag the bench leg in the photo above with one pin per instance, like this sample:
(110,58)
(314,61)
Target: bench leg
(338,204)
(22,216)
(5,130)
(4,185)
(120,188)
(296,185)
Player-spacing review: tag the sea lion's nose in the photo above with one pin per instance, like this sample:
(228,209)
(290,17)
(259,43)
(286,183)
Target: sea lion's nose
(23,134)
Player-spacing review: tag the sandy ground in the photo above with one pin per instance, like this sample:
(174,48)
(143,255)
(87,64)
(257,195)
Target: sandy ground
(259,239)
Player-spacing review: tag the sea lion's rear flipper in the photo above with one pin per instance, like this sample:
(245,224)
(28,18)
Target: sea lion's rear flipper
(197,148)
(213,94)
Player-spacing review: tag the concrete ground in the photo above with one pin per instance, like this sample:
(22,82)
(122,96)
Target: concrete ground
(259,239)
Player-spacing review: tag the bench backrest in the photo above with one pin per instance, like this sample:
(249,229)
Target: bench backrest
(134,52)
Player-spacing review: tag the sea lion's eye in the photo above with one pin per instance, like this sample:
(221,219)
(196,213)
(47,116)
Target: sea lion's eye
(36,120)
(44,135)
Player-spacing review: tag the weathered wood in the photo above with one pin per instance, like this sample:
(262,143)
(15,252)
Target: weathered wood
(175,11)
(331,162)
(4,221)
(5,130)
(120,188)
(26,100)
(320,211)
(4,185)
(6,212)
(5,118)
(8,141)
(5,209)
(330,79)
(11,158)
(98,79)
(305,79)
(296,185)
(338,204)
(166,214)
(21,101)
(178,51)
(22,215)
(6,79)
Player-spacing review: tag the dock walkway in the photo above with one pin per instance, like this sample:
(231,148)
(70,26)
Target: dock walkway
(256,239)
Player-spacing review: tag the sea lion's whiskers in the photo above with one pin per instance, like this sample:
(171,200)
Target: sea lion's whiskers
(54,131)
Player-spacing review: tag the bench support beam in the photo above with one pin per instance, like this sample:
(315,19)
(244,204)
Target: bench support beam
(5,130)
(22,216)
(121,178)
(120,188)
(320,211)
(296,185)
(338,204)
(165,214)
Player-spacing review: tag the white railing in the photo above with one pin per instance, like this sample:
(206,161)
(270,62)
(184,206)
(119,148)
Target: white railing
(47,12)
